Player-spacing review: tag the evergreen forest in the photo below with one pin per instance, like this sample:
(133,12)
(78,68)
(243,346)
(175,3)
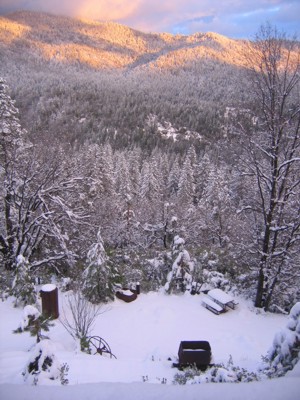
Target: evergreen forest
(168,160)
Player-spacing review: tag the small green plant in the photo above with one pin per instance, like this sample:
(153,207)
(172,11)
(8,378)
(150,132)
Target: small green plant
(84,345)
(63,373)
(36,326)
(188,374)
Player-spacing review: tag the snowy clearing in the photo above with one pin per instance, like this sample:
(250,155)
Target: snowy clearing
(144,335)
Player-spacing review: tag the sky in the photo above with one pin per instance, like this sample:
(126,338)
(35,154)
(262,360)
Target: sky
(233,18)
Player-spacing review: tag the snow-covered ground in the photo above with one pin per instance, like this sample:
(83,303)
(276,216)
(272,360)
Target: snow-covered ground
(144,335)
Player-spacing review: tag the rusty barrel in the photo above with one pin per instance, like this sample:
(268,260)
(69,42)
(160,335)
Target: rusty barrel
(49,295)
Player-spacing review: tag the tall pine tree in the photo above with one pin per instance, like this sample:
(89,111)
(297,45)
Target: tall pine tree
(99,277)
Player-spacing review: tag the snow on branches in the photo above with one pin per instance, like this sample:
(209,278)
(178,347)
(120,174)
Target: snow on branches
(180,276)
(284,353)
(99,275)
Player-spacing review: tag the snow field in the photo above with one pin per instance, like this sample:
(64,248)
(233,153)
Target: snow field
(144,335)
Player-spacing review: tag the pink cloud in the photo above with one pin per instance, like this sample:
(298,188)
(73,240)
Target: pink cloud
(92,9)
(105,10)
(166,15)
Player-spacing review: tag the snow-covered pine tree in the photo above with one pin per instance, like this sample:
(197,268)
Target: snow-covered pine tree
(150,195)
(180,276)
(34,322)
(12,146)
(99,276)
(23,286)
(186,189)
(285,351)
(173,180)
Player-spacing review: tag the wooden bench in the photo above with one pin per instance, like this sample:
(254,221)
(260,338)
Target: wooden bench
(233,304)
(212,306)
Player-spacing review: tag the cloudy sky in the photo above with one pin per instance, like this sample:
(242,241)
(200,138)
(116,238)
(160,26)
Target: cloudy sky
(234,18)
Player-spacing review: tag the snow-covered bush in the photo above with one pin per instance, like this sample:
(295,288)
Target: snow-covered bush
(188,375)
(6,277)
(131,274)
(42,364)
(229,373)
(65,284)
(216,374)
(214,279)
(215,271)
(156,271)
(23,286)
(284,353)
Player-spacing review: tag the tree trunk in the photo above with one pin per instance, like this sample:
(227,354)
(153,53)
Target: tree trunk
(260,289)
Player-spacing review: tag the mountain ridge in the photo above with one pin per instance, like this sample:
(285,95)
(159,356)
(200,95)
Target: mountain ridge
(84,80)
(105,44)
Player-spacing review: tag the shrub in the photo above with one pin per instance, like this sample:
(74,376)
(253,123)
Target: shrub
(42,364)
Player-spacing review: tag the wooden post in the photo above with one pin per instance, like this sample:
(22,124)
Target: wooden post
(138,288)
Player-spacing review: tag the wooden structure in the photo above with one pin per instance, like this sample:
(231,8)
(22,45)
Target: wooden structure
(126,295)
(49,295)
(212,305)
(218,301)
(196,353)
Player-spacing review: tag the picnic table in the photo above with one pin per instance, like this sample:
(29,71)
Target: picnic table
(222,299)
(218,301)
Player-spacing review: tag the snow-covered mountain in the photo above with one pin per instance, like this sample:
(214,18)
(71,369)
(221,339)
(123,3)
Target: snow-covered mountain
(108,44)
(93,81)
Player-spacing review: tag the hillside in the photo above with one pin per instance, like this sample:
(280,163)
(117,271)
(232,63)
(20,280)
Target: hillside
(108,44)
(88,80)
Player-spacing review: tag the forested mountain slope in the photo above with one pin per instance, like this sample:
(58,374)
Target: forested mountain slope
(108,44)
(93,79)
(138,146)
